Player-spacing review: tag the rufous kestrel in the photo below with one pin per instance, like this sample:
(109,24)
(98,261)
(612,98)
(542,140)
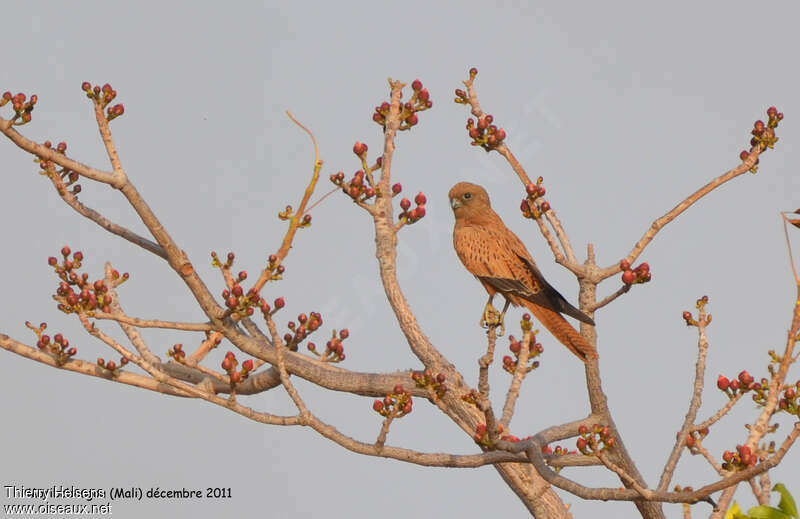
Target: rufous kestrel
(494,255)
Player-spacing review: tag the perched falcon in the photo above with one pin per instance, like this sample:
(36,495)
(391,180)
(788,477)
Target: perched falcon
(494,255)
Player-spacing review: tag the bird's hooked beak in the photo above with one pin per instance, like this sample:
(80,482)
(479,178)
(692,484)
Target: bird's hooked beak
(455,203)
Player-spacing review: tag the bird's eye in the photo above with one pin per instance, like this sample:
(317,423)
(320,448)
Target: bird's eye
(467,196)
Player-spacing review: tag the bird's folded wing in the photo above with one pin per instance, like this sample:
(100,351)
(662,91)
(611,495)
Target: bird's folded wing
(548,297)
(557,301)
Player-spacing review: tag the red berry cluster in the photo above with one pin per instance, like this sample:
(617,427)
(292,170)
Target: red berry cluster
(357,188)
(739,460)
(413,215)
(790,402)
(485,134)
(471,398)
(763,134)
(241,303)
(67,176)
(481,435)
(528,205)
(742,384)
(536,349)
(334,351)
(640,274)
(177,353)
(22,107)
(236,300)
(461,96)
(360,149)
(229,364)
(111,365)
(420,101)
(59,347)
(397,404)
(694,439)
(91,296)
(426,379)
(690,320)
(558,451)
(305,326)
(596,438)
(103,96)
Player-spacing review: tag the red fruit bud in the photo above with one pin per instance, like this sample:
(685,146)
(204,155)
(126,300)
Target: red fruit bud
(227,365)
(727,456)
(344,333)
(398,389)
(248,365)
(420,212)
(531,189)
(526,317)
(378,118)
(359,148)
(412,119)
(423,95)
(279,303)
(416,85)
(473,71)
(545,206)
(236,377)
(628,277)
(582,429)
(690,441)
(687,315)
(65,251)
(581,444)
(500,134)
(772,111)
(734,384)
(407,407)
(745,378)
(405,204)
(420,199)
(440,377)
(397,188)
(377,405)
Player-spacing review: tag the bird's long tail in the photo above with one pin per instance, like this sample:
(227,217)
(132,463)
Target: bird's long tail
(563,331)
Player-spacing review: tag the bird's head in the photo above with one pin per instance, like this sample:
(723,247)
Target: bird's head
(468,200)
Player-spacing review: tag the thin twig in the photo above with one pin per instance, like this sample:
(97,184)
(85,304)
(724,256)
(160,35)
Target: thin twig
(516,381)
(694,405)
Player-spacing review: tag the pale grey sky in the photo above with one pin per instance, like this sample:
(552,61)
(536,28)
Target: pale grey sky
(624,107)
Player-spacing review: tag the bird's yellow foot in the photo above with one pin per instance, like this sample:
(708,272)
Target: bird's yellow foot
(491,318)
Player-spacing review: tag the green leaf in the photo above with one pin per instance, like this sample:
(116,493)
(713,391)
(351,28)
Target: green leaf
(734,512)
(767,512)
(787,502)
